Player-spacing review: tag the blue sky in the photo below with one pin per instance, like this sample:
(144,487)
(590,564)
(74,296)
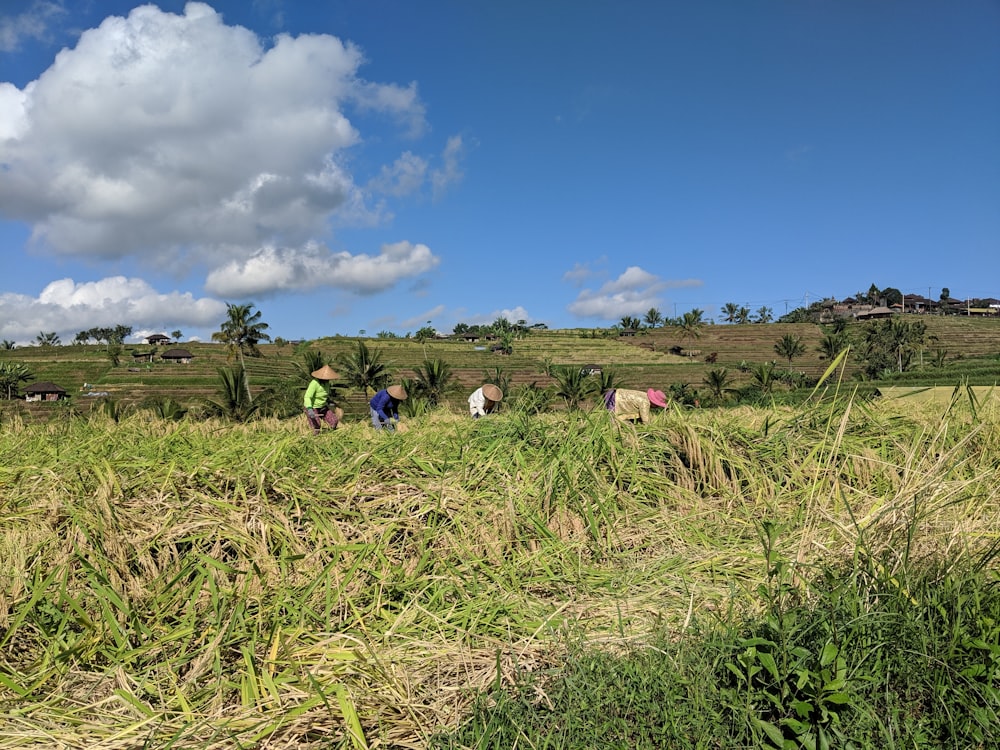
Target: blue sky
(370,165)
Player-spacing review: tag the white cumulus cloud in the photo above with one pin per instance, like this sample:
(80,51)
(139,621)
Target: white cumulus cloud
(283,269)
(186,143)
(67,307)
(633,293)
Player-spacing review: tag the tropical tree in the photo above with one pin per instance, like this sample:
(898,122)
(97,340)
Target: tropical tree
(363,368)
(764,376)
(832,344)
(425,333)
(176,335)
(691,323)
(730,312)
(789,347)
(12,374)
(743,316)
(608,380)
(629,322)
(764,314)
(8,345)
(718,381)
(234,400)
(890,344)
(416,405)
(501,325)
(114,354)
(944,299)
(241,332)
(166,408)
(573,387)
(47,339)
(506,343)
(433,379)
(654,318)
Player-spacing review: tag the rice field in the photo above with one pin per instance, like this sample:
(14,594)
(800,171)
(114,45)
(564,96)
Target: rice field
(216,585)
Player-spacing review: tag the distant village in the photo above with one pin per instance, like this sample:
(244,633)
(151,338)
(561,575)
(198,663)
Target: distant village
(862,309)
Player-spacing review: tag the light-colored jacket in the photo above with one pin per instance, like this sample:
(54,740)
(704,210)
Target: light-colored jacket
(632,405)
(479,405)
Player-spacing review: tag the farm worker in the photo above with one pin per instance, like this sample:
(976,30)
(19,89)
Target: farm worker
(628,405)
(385,406)
(317,400)
(485,400)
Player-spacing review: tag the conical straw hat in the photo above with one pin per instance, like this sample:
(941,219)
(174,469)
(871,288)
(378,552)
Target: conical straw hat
(492,392)
(398,392)
(325,373)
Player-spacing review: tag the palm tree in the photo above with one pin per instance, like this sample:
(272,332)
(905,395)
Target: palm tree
(789,347)
(653,317)
(690,324)
(718,381)
(234,399)
(764,315)
(629,323)
(763,376)
(608,380)
(47,339)
(730,312)
(832,344)
(572,386)
(312,360)
(241,332)
(364,369)
(433,380)
(166,408)
(743,315)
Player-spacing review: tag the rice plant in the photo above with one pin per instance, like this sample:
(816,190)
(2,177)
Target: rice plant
(823,575)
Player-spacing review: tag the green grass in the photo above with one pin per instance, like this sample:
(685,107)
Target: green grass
(971,347)
(550,581)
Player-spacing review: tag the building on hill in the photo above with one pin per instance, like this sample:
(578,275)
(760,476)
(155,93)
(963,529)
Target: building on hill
(157,338)
(875,313)
(591,370)
(44,391)
(182,356)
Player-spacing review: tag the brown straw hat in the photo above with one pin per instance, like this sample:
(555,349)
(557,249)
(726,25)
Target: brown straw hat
(325,373)
(398,392)
(492,392)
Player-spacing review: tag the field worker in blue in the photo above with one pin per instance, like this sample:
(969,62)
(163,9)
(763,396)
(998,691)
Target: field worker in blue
(385,407)
(317,402)
(485,400)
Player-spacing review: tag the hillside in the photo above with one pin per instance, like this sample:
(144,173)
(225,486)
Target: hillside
(968,345)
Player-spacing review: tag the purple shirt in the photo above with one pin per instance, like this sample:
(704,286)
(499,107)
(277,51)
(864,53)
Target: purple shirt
(385,405)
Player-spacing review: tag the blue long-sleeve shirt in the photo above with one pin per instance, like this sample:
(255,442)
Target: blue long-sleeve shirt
(385,405)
